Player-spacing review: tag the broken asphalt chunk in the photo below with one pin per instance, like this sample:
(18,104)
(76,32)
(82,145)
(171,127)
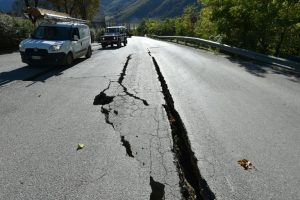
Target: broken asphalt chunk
(103,99)
(80,146)
(158,190)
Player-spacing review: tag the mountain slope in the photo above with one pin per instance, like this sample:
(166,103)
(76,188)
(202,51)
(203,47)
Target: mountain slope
(135,10)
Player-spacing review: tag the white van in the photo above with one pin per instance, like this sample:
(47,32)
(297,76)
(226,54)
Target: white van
(56,44)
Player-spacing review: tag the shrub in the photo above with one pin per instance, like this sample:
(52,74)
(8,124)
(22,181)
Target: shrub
(96,34)
(13,31)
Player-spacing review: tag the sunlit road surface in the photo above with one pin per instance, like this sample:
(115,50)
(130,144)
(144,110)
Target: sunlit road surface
(116,104)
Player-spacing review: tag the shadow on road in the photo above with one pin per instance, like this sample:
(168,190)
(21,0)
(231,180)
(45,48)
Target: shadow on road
(251,67)
(260,69)
(38,73)
(110,48)
(9,51)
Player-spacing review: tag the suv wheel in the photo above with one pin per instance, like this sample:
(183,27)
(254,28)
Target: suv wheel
(119,43)
(103,46)
(89,52)
(69,59)
(125,42)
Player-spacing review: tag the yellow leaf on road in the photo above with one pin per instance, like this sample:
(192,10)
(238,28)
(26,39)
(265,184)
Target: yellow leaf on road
(246,164)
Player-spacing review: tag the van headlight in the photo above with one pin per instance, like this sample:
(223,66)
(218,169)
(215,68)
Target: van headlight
(21,47)
(115,38)
(55,47)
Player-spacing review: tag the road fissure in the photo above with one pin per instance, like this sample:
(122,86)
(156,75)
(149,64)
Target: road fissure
(193,186)
(123,73)
(106,114)
(105,100)
(127,146)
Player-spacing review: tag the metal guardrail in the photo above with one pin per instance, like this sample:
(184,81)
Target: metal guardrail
(284,63)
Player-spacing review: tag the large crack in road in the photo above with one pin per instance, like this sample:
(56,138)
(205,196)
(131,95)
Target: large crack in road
(192,184)
(158,189)
(104,99)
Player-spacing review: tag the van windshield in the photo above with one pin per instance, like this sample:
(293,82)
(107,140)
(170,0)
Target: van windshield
(52,33)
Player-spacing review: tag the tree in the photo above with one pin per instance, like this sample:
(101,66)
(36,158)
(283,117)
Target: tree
(141,29)
(267,26)
(205,28)
(20,5)
(287,29)
(67,6)
(29,3)
(86,9)
(185,24)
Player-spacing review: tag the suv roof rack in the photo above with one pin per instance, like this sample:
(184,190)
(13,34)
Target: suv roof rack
(116,27)
(51,16)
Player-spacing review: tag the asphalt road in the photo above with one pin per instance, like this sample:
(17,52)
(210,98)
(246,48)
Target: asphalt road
(120,104)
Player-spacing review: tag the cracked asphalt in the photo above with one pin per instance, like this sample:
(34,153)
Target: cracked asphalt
(115,104)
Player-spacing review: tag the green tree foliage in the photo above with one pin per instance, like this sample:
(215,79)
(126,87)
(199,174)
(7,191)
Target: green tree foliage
(205,28)
(13,30)
(157,27)
(185,25)
(20,5)
(96,34)
(85,9)
(266,26)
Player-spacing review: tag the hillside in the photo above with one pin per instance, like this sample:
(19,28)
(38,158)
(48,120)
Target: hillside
(135,10)
(132,10)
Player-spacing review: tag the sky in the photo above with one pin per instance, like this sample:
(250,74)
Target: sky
(5,5)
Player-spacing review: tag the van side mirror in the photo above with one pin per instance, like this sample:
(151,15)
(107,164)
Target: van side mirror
(75,38)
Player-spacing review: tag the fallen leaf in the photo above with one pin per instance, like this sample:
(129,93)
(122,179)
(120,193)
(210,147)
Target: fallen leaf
(80,146)
(246,164)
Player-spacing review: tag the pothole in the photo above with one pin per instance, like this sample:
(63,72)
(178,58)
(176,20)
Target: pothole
(158,190)
(103,99)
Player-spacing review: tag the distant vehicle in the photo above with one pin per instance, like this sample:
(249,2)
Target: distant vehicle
(114,35)
(56,42)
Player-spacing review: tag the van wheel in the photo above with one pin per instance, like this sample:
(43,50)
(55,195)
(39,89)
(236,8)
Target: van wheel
(119,43)
(89,52)
(69,60)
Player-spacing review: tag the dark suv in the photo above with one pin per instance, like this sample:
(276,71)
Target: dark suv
(114,35)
